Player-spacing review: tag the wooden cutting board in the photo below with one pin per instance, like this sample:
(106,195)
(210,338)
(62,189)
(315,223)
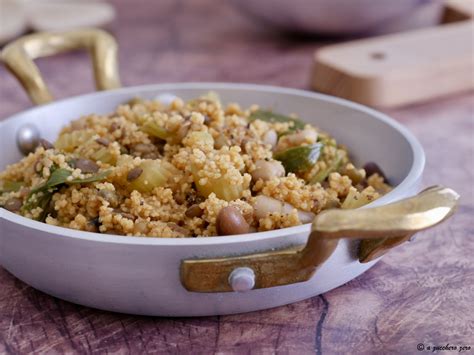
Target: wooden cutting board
(403,68)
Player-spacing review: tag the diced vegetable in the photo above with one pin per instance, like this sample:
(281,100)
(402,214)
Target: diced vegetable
(299,159)
(152,128)
(269,116)
(70,141)
(356,175)
(324,173)
(41,195)
(155,173)
(356,199)
(221,187)
(105,156)
(41,199)
(11,186)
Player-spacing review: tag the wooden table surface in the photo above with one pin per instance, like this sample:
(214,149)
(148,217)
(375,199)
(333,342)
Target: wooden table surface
(420,293)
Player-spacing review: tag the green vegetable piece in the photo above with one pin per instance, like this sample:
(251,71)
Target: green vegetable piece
(153,129)
(41,199)
(41,195)
(57,177)
(11,186)
(60,176)
(269,116)
(300,158)
(323,174)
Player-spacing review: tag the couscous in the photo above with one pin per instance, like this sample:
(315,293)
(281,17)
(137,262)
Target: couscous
(186,169)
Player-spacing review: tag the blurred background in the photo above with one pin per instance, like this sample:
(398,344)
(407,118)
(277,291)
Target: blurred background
(265,41)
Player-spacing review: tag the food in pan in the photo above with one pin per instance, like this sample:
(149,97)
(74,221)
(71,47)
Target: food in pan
(187,169)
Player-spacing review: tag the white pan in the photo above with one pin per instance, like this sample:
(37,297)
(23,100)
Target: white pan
(174,277)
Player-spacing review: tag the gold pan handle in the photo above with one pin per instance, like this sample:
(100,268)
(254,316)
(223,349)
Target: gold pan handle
(19,55)
(380,228)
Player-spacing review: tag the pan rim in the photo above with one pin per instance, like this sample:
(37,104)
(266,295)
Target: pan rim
(414,174)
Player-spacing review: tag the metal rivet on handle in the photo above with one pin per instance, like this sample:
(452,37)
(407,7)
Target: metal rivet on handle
(27,138)
(242,279)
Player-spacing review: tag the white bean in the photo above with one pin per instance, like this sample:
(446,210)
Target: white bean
(266,170)
(270,137)
(263,205)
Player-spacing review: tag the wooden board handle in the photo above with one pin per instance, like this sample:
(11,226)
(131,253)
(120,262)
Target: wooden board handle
(399,69)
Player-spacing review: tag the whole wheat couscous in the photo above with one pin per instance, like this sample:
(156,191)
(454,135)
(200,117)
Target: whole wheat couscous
(187,169)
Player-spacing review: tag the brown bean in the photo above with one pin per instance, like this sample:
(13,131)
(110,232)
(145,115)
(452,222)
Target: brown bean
(24,191)
(134,174)
(110,196)
(124,214)
(152,155)
(194,211)
(45,144)
(114,126)
(13,204)
(38,165)
(85,165)
(372,168)
(103,141)
(183,232)
(230,221)
(182,131)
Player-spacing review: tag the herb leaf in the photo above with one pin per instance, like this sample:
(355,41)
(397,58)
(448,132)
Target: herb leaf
(41,195)
(323,174)
(269,116)
(57,177)
(300,158)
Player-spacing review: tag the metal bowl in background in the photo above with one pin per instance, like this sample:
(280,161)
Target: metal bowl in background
(343,17)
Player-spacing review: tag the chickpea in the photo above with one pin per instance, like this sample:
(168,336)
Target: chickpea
(266,170)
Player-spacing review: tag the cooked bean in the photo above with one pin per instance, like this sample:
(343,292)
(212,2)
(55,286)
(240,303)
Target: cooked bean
(221,141)
(271,137)
(183,232)
(24,191)
(152,155)
(372,168)
(263,205)
(182,131)
(114,126)
(134,174)
(85,165)
(194,211)
(267,170)
(143,148)
(125,214)
(305,216)
(103,141)
(109,196)
(45,144)
(230,221)
(304,136)
(38,165)
(13,204)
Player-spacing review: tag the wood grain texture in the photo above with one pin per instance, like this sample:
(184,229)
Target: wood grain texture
(422,292)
